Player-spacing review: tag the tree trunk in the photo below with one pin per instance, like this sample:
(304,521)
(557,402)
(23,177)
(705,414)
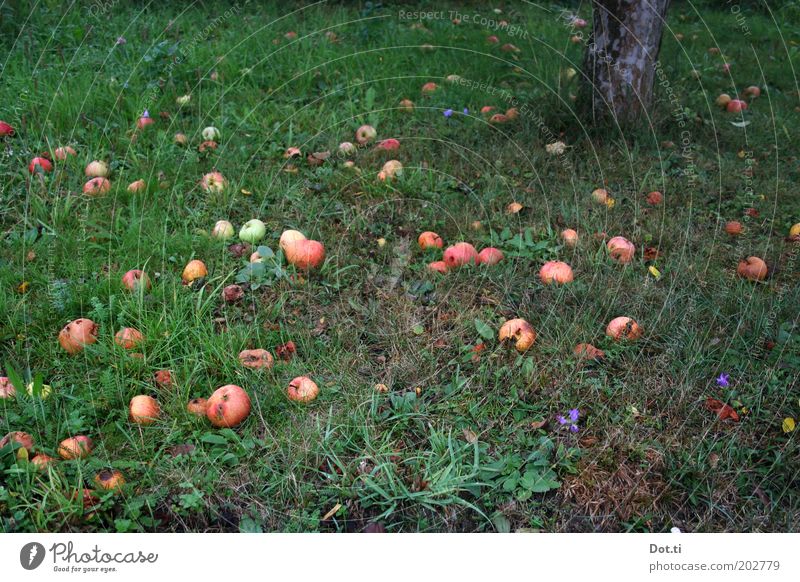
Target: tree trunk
(621,57)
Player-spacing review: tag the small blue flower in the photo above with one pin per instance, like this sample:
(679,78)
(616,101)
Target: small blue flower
(561,419)
(574,428)
(448,112)
(574,414)
(722,381)
(466,111)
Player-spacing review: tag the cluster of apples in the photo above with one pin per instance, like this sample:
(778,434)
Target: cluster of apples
(457,255)
(726,102)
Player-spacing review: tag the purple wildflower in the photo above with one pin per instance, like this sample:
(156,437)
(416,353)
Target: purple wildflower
(466,111)
(574,428)
(561,419)
(448,112)
(574,414)
(121,40)
(722,381)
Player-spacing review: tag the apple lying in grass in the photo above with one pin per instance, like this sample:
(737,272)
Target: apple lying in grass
(180,139)
(223,230)
(752,92)
(588,352)
(794,230)
(136,279)
(390,170)
(655,198)
(163,378)
(438,267)
(232,293)
(514,208)
(41,165)
(197,406)
(62,153)
(512,113)
(96,186)
(144,121)
(213,182)
(77,334)
(289,237)
(388,145)
(109,480)
(621,249)
(365,134)
(429,240)
(429,87)
(499,119)
(23,439)
(555,272)
(520,332)
(406,105)
(302,389)
(210,133)
(347,148)
(96,169)
(460,254)
(128,338)
(7,389)
(736,106)
(228,406)
(144,409)
(623,328)
(723,100)
(42,461)
(77,447)
(253,231)
(570,237)
(257,359)
(752,268)
(195,269)
(600,195)
(137,186)
(305,254)
(489,256)
(6,130)
(734,228)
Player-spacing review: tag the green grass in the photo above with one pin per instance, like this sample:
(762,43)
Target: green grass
(453,444)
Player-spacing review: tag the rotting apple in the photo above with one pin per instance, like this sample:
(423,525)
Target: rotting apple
(23,439)
(137,186)
(7,389)
(213,182)
(302,389)
(256,359)
(588,352)
(365,134)
(42,461)
(390,170)
(144,409)
(194,269)
(96,169)
(734,228)
(223,230)
(460,254)
(655,198)
(520,332)
(228,406)
(347,148)
(62,153)
(489,256)
(429,240)
(135,280)
(753,269)
(96,186)
(110,480)
(39,164)
(556,272)
(77,447)
(621,249)
(77,334)
(570,237)
(438,267)
(622,327)
(128,338)
(197,406)
(163,378)
(232,293)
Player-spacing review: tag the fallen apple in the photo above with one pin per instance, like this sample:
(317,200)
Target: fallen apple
(7,389)
(197,406)
(512,113)
(655,198)
(44,390)
(183,99)
(514,208)
(570,237)
(795,230)
(302,389)
(723,100)
(406,105)
(600,195)
(555,272)
(257,359)
(210,133)
(736,106)
(460,254)
(588,352)
(289,237)
(623,328)
(180,139)
(429,87)
(429,240)
(752,268)
(228,406)
(390,170)
(96,186)
(144,121)
(621,249)
(752,92)
(223,230)
(498,118)
(77,447)
(20,438)
(438,267)
(128,338)
(489,256)
(144,409)
(137,186)
(6,130)
(136,280)
(232,293)
(365,134)
(193,270)
(42,165)
(42,461)
(520,332)
(163,378)
(305,254)
(62,153)
(96,169)
(109,480)
(77,334)
(734,228)
(347,147)
(213,182)
(388,145)
(253,231)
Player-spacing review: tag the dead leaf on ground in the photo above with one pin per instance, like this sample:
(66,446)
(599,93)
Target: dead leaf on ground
(722,410)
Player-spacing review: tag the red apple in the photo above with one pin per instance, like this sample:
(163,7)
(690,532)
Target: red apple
(520,331)
(438,267)
(128,338)
(144,121)
(752,92)
(623,328)
(163,378)
(723,100)
(289,237)
(40,165)
(736,106)
(570,237)
(498,118)
(305,254)
(42,461)
(23,439)
(600,195)
(429,87)
(555,272)
(655,198)
(76,447)
(752,268)
(365,134)
(302,389)
(77,334)
(144,409)
(96,186)
(621,249)
(193,270)
(62,153)
(489,256)
(429,240)
(137,186)
(734,228)
(460,254)
(135,279)
(197,406)
(256,359)
(213,182)
(388,145)
(6,130)
(228,406)
(7,389)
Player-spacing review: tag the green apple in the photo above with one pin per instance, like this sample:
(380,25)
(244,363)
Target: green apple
(210,133)
(253,231)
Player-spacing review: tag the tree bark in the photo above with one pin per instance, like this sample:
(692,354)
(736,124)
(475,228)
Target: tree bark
(621,57)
